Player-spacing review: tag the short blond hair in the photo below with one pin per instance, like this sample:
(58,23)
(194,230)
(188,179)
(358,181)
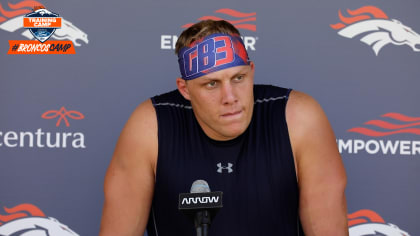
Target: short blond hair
(202,29)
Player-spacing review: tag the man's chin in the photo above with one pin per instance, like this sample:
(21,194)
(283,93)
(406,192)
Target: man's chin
(233,132)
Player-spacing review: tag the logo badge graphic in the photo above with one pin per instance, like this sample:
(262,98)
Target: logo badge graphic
(220,168)
(376,29)
(29,220)
(50,138)
(63,114)
(240,20)
(367,222)
(389,124)
(406,126)
(42,23)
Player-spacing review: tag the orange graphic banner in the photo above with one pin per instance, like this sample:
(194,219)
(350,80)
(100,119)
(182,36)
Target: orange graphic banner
(36,47)
(42,22)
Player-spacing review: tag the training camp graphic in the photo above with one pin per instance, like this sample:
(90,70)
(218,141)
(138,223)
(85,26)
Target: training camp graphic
(28,220)
(367,222)
(47,138)
(241,20)
(376,29)
(33,21)
(380,131)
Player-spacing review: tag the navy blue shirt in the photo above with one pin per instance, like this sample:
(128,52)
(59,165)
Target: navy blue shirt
(255,171)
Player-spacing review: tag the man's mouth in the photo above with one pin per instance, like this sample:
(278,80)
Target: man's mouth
(232,114)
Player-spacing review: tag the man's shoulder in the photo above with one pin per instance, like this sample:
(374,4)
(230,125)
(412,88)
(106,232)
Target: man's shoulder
(302,104)
(171,98)
(143,114)
(304,116)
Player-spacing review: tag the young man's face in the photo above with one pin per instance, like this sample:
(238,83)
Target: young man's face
(222,101)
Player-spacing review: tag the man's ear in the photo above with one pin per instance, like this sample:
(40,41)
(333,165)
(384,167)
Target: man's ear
(182,88)
(251,63)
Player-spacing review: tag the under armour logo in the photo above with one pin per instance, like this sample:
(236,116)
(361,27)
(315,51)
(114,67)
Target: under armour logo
(221,168)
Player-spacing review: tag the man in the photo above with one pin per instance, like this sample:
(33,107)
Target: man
(278,166)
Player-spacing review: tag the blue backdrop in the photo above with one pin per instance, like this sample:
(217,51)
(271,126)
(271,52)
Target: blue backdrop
(62,114)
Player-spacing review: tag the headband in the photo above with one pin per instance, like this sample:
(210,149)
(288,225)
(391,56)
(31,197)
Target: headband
(212,53)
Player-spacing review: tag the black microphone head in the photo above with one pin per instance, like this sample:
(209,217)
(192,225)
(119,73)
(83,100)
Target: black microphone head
(200,186)
(200,205)
(200,197)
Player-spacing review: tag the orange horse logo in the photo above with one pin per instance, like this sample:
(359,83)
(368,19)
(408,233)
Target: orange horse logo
(376,29)
(29,220)
(366,222)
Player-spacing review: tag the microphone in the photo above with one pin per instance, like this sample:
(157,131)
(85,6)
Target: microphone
(200,205)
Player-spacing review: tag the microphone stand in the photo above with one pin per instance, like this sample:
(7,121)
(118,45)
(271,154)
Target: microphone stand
(202,223)
(205,229)
(199,231)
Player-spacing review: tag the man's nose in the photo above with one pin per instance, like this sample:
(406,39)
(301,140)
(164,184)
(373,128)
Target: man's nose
(228,94)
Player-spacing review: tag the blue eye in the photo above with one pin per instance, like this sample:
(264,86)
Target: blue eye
(211,84)
(239,78)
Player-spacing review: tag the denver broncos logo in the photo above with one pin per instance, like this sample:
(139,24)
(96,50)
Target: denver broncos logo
(377,29)
(29,220)
(366,222)
(12,21)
